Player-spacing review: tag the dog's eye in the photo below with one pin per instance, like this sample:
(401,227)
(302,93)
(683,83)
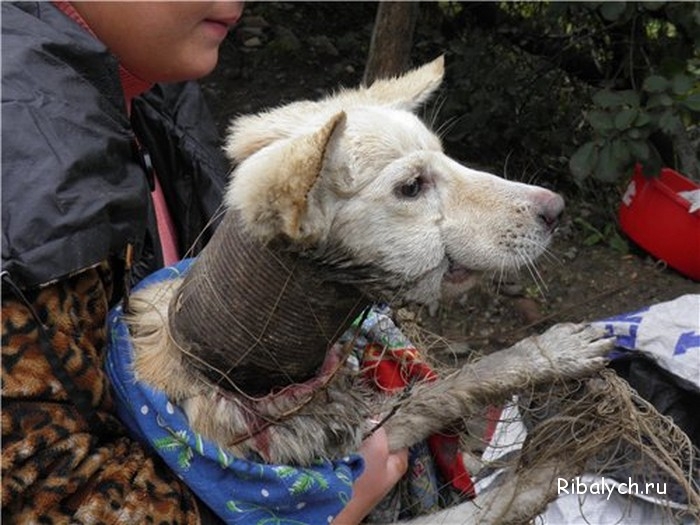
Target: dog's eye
(411,189)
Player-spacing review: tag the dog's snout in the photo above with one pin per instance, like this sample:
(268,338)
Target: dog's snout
(551,207)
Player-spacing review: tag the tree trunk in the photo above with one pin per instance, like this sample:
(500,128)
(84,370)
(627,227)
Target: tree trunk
(392,38)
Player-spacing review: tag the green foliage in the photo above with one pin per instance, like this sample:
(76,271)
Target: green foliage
(624,123)
(582,88)
(608,236)
(177,442)
(500,103)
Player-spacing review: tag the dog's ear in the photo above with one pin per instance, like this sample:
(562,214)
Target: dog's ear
(270,188)
(411,89)
(250,133)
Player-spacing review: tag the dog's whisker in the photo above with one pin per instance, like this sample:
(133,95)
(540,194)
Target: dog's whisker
(551,257)
(447,125)
(534,177)
(529,265)
(443,129)
(545,251)
(435,110)
(505,165)
(503,274)
(498,277)
(537,278)
(494,281)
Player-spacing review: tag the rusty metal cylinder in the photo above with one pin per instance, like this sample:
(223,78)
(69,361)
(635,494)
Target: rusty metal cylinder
(253,318)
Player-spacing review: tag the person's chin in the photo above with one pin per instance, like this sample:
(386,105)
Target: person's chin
(205,67)
(197,67)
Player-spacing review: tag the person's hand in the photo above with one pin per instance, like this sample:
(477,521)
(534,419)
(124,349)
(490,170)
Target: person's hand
(382,471)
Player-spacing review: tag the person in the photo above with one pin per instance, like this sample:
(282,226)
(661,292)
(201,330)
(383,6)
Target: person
(110,170)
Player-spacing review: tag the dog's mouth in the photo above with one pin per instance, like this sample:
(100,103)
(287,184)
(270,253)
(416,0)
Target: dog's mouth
(457,273)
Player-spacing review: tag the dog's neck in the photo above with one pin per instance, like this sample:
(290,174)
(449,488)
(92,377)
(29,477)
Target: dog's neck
(253,318)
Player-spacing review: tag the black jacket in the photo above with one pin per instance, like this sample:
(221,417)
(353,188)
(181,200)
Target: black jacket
(75,188)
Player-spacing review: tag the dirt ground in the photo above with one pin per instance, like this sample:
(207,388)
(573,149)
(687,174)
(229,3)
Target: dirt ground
(281,53)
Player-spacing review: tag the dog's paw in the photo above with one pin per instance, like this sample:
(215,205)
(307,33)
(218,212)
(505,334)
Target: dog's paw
(570,350)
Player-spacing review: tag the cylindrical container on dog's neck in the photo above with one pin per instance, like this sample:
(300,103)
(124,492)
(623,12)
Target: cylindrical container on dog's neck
(253,318)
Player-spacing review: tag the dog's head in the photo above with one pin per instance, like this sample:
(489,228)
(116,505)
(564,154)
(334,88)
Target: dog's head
(358,183)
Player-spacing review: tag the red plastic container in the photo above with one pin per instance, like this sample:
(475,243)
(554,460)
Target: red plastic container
(655,217)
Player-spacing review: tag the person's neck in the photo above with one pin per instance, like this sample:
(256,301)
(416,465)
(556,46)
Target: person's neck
(132,85)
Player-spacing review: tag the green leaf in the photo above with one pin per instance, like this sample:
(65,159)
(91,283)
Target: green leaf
(621,153)
(240,506)
(167,443)
(591,240)
(583,161)
(304,483)
(184,458)
(634,133)
(624,118)
(642,119)
(612,11)
(629,97)
(655,84)
(681,84)
(660,100)
(607,168)
(223,458)
(285,471)
(652,6)
(692,102)
(669,122)
(651,167)
(607,99)
(666,100)
(601,121)
(640,150)
(322,482)
(199,444)
(617,243)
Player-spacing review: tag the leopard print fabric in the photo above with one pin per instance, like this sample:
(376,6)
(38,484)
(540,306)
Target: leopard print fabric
(55,469)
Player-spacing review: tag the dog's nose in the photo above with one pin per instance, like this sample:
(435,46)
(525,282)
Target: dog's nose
(551,206)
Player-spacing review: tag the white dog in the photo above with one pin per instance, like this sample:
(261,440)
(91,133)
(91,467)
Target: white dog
(373,167)
(335,204)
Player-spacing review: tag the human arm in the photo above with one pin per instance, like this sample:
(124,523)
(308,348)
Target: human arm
(383,469)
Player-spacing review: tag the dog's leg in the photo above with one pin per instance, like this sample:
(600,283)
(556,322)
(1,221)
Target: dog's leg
(565,351)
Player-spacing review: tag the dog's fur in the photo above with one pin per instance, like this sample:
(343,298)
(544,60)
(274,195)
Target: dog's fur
(329,175)
(359,186)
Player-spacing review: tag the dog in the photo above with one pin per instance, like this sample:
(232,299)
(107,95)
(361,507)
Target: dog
(333,205)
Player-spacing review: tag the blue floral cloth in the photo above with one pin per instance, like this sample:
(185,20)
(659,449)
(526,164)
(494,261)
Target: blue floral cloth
(236,489)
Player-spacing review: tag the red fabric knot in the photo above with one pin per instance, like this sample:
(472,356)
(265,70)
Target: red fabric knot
(393,369)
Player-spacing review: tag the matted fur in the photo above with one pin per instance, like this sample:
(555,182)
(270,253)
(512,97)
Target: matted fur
(333,424)
(332,181)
